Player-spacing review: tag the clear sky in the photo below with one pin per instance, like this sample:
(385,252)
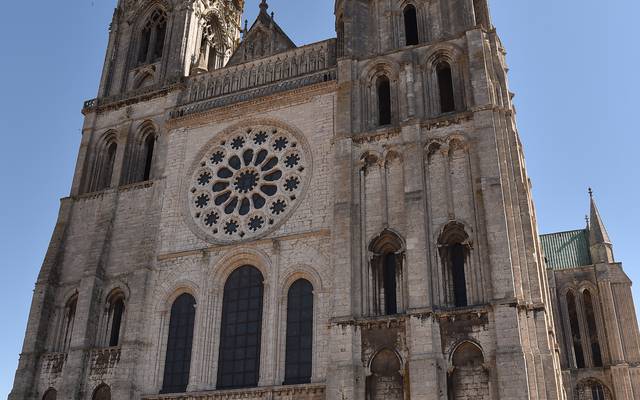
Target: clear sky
(574,68)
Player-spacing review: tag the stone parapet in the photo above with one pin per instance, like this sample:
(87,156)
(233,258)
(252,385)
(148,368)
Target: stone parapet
(297,392)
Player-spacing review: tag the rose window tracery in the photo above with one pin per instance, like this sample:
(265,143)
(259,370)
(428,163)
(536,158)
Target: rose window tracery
(247,183)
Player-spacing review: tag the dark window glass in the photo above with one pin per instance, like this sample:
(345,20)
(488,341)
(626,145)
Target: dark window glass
(389,282)
(240,335)
(445,85)
(51,394)
(458,275)
(575,330)
(107,168)
(384,100)
(149,144)
(410,25)
(299,351)
(597,392)
(103,392)
(117,311)
(178,361)
(152,38)
(593,330)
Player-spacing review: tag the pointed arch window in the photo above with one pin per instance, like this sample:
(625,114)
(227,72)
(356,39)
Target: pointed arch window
(152,37)
(241,329)
(454,253)
(383,88)
(410,25)
(576,338)
(114,317)
(68,323)
(596,353)
(299,347)
(102,392)
(212,46)
(50,394)
(386,274)
(147,153)
(179,345)
(340,36)
(104,165)
(445,87)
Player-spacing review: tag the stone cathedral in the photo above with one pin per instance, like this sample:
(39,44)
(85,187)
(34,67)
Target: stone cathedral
(344,220)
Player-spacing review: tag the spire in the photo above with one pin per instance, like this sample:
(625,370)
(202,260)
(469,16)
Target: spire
(597,231)
(601,248)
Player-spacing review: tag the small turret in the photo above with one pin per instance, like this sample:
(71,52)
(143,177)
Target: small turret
(600,244)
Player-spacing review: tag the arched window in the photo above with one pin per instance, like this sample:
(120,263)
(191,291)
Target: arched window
(468,378)
(454,253)
(102,392)
(445,87)
(591,389)
(179,344)
(50,394)
(147,153)
(385,381)
(241,330)
(383,87)
(104,163)
(115,315)
(593,330)
(152,38)
(410,25)
(386,273)
(299,348)
(212,46)
(69,321)
(576,338)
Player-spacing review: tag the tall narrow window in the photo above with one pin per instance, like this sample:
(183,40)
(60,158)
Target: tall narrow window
(51,394)
(340,35)
(299,349)
(454,253)
(105,164)
(468,378)
(149,144)
(445,86)
(116,311)
(241,330)
(69,321)
(389,283)
(575,330)
(384,100)
(593,330)
(597,392)
(102,392)
(386,274)
(410,25)
(457,254)
(152,36)
(179,345)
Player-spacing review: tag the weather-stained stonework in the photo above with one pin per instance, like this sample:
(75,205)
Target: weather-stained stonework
(345,220)
(248,181)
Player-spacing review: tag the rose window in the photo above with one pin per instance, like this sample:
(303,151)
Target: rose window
(247,183)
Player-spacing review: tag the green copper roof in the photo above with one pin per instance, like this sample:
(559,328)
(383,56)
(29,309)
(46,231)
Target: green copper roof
(566,250)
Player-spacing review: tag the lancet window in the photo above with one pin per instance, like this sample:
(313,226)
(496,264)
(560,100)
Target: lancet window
(152,38)
(386,274)
(299,347)
(383,90)
(179,345)
(454,252)
(445,87)
(410,25)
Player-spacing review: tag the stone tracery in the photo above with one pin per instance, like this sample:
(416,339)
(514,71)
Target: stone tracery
(247,183)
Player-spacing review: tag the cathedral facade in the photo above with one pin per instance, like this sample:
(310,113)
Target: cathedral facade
(348,219)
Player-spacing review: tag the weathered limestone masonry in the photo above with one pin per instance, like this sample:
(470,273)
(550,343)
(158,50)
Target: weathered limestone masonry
(350,219)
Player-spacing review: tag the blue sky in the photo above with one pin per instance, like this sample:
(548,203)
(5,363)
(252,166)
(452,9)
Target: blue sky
(573,69)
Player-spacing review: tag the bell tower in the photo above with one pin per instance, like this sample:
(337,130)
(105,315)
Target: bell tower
(436,238)
(154,43)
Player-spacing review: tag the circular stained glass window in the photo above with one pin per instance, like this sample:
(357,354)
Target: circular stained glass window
(247,183)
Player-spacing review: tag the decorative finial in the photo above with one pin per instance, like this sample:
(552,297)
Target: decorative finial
(264,6)
(590,193)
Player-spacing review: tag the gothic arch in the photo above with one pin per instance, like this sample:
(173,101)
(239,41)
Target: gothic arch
(103,161)
(468,377)
(386,274)
(592,389)
(385,376)
(301,271)
(224,267)
(454,249)
(113,323)
(102,392)
(146,8)
(448,86)
(380,93)
(50,394)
